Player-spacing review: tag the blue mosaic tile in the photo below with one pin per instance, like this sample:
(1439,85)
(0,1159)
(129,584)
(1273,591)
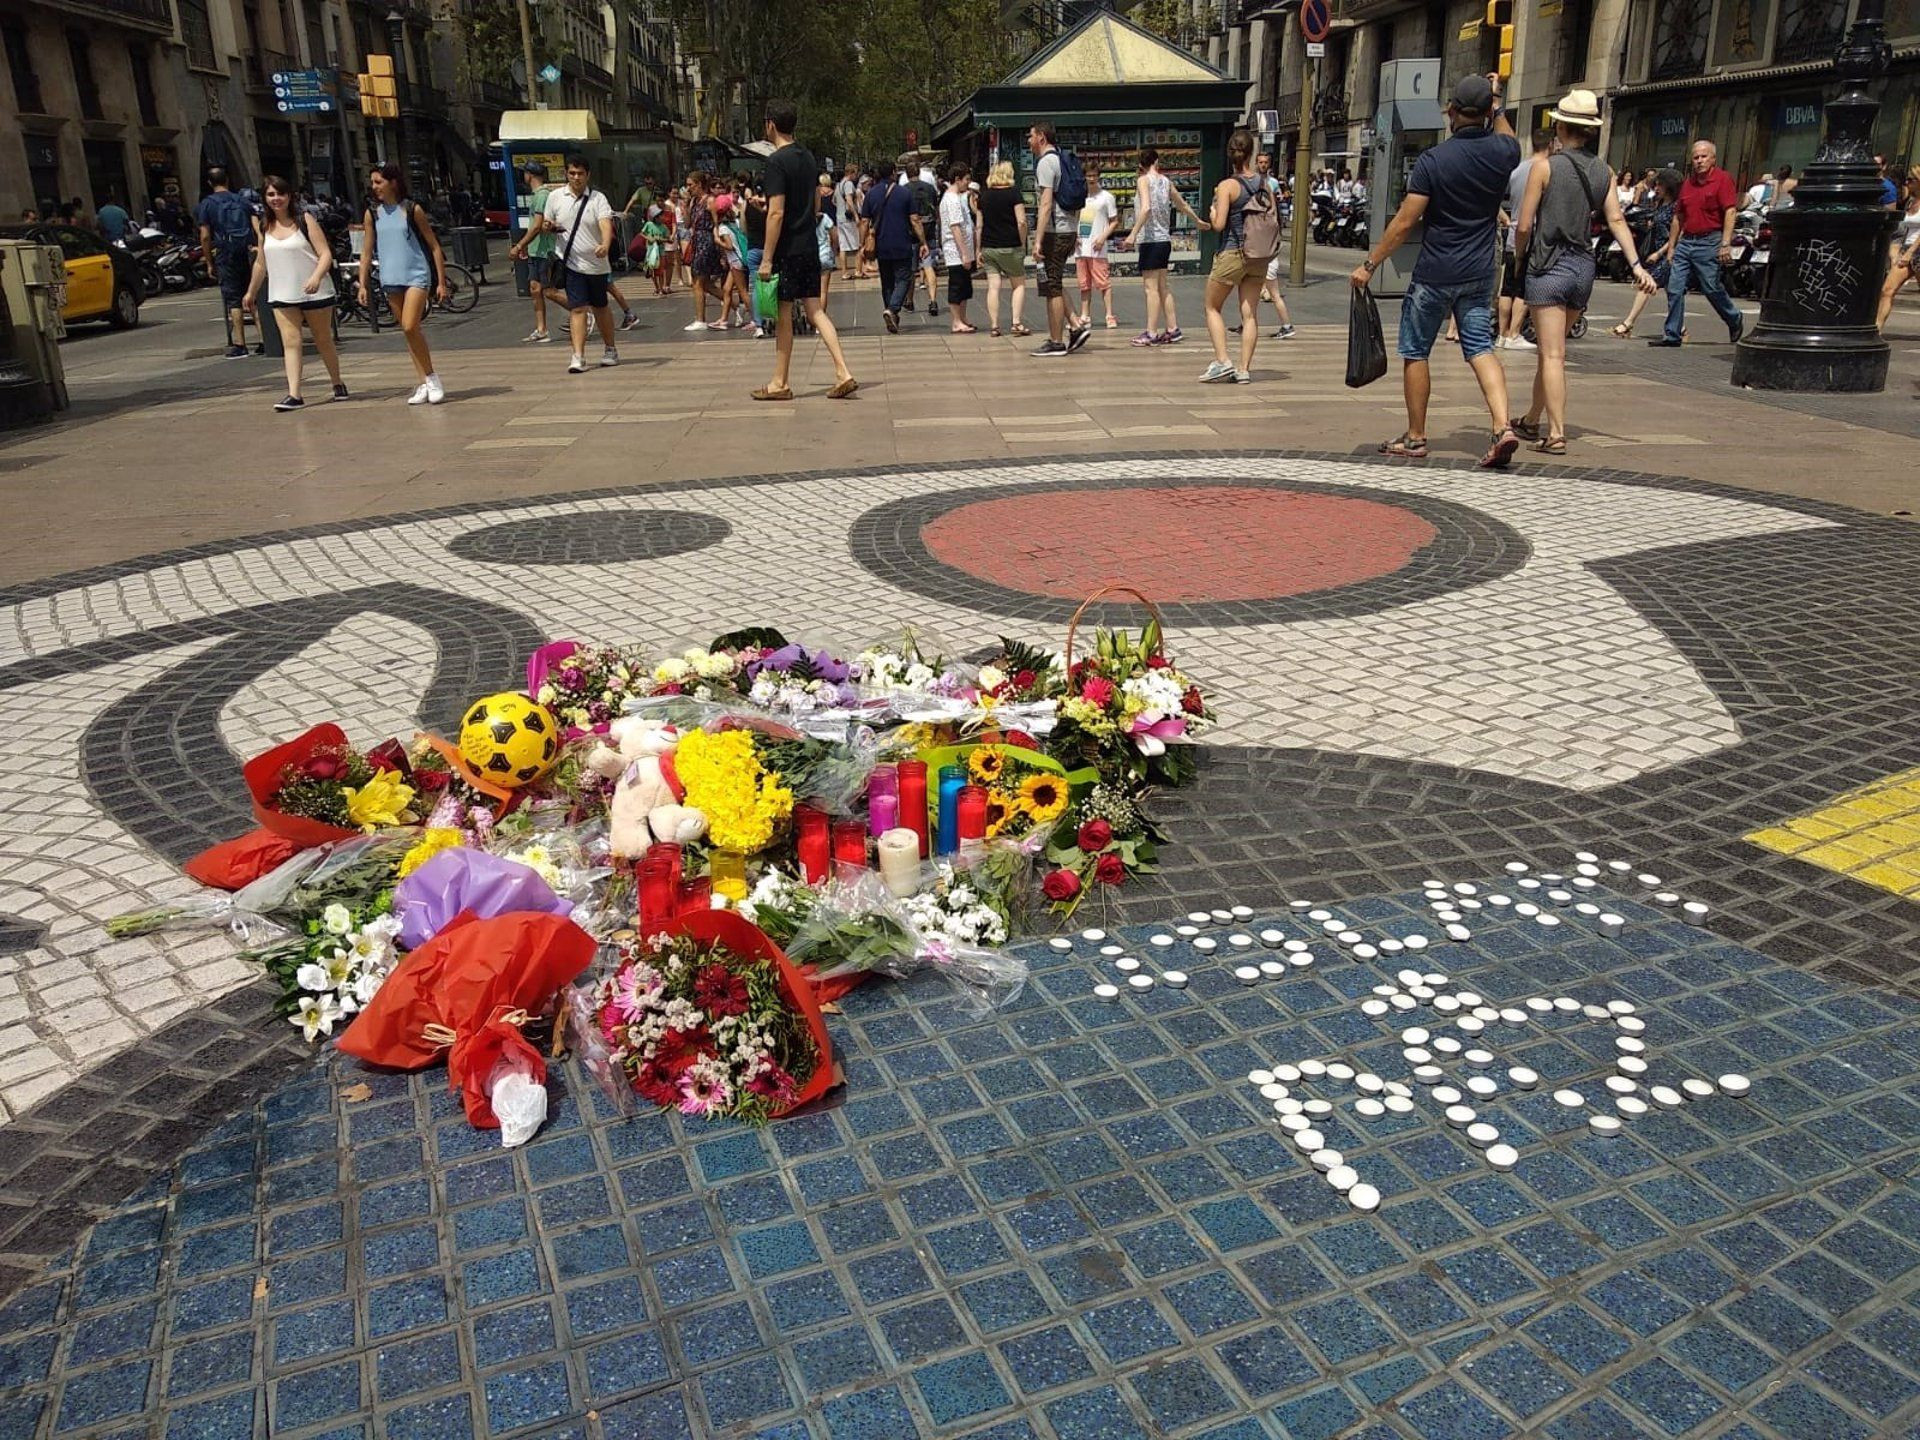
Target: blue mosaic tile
(1129,1330)
(516,1334)
(1800,1410)
(209,1364)
(410,1366)
(1774,1320)
(1046,1360)
(1158,1249)
(1265,1362)
(1447,1412)
(449,1417)
(916,1331)
(104,1337)
(1321,1415)
(957,1389)
(308,1334)
(1002,1302)
(633,1362)
(690,1278)
(516,1399)
(880,1414)
(221,1302)
(1180,1393)
(312,1396)
(1358,1248)
(605,1306)
(1661,1392)
(1579,1338)
(1416,1304)
(806,1300)
(1210,1302)
(1519,1379)
(1863,1381)
(1097,1414)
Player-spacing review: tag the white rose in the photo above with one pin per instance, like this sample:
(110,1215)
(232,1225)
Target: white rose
(992,677)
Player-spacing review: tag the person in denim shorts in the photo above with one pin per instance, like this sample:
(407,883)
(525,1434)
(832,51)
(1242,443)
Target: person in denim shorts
(1457,189)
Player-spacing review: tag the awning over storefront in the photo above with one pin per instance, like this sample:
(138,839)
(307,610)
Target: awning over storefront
(578,125)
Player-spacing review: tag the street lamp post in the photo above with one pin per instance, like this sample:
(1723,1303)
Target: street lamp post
(397,40)
(1816,330)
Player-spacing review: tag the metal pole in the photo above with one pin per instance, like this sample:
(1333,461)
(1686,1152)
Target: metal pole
(526,50)
(1302,157)
(402,82)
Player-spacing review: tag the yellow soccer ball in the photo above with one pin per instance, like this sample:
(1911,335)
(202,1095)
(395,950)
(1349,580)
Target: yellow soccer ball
(509,739)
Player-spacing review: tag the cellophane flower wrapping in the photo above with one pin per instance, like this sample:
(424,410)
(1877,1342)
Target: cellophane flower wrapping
(854,925)
(469,880)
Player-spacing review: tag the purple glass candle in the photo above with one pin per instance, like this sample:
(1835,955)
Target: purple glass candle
(883,814)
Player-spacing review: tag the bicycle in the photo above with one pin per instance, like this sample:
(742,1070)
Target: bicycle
(462,294)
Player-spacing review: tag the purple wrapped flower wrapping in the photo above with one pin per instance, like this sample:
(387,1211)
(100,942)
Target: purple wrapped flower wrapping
(462,879)
(543,660)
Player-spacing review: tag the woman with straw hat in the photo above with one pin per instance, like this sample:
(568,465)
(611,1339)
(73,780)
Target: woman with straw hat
(1564,191)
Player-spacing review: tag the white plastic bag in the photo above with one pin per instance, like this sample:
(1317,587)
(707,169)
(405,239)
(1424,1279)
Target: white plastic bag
(519,1101)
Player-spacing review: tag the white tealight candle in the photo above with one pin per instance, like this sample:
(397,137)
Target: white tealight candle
(1273,1090)
(1220,917)
(1294,1123)
(1572,1099)
(1630,1105)
(1160,942)
(1364,1197)
(1502,1157)
(1339,1070)
(1272,939)
(1586,857)
(1204,945)
(1240,942)
(1286,1074)
(1621,1085)
(1303,958)
(1260,1077)
(1374,1008)
(1522,1077)
(1604,1124)
(1272,969)
(1398,1104)
(1415,942)
(1446,1095)
(1735,1084)
(1112,950)
(1313,1069)
(1652,882)
(1104,992)
(1697,1088)
(1095,936)
(1324,1159)
(1247,974)
(1198,917)
(1309,1140)
(1516,867)
(1666,1095)
(1364,952)
(1483,1085)
(1126,964)
(1631,1065)
(1186,932)
(1482,1134)
(1345,1179)
(1241,912)
(1391,947)
(1461,1115)
(1369,1107)
(1140,982)
(1059,942)
(1459,933)
(1176,978)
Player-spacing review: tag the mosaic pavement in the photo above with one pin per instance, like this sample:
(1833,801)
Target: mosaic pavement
(1072,1219)
(1425,671)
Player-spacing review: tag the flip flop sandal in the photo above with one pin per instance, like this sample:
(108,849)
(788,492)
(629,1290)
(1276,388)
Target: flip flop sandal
(1552,445)
(1622,332)
(1404,447)
(1021,332)
(765,394)
(1501,451)
(994,332)
(1525,429)
(966,330)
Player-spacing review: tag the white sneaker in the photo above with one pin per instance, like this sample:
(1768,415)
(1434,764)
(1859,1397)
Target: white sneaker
(419,396)
(1217,373)
(1499,342)
(609,356)
(1243,377)
(538,337)
(577,365)
(1520,342)
(696,325)
(436,392)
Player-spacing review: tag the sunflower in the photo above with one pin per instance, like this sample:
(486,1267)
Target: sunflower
(1044,797)
(986,765)
(999,812)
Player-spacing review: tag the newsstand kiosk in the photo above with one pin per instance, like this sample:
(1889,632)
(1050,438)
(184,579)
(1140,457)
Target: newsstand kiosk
(1110,88)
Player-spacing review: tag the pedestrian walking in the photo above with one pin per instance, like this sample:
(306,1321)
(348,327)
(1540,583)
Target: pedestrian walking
(1564,192)
(1272,289)
(1513,267)
(826,235)
(1155,198)
(397,233)
(960,246)
(1455,191)
(846,221)
(1705,213)
(1240,264)
(792,252)
(1900,258)
(1658,254)
(226,242)
(706,266)
(730,238)
(1099,223)
(581,220)
(1003,246)
(536,247)
(294,263)
(927,197)
(891,236)
(1059,188)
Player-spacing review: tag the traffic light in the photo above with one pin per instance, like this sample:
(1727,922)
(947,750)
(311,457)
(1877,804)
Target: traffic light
(1500,25)
(378,97)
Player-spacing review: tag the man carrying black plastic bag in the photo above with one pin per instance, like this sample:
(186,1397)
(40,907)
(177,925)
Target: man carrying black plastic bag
(1456,189)
(1366,347)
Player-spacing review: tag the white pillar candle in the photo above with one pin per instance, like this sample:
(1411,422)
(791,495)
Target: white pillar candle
(899,853)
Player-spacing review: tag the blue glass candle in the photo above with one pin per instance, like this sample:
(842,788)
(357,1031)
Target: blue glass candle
(953,779)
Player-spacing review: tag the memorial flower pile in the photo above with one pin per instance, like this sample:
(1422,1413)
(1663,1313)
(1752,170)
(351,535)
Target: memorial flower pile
(723,777)
(695,1026)
(337,785)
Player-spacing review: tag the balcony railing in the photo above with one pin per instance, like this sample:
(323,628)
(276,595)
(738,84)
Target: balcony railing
(146,14)
(495,96)
(265,62)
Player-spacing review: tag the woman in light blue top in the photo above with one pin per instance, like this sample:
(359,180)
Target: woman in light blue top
(411,262)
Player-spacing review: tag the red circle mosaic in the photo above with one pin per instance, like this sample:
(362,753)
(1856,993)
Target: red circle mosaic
(1190,544)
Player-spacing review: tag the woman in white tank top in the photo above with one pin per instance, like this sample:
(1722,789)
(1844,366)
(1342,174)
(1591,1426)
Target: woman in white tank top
(295,263)
(1155,198)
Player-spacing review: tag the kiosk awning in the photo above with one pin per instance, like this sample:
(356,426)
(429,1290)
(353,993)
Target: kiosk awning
(578,125)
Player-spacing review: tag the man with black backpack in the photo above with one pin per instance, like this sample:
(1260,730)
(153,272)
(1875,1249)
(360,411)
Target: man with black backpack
(226,240)
(1060,187)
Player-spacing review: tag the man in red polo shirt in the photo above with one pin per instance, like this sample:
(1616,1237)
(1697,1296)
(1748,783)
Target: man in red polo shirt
(1704,214)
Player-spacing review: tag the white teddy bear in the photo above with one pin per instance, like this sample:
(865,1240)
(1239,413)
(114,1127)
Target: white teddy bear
(638,754)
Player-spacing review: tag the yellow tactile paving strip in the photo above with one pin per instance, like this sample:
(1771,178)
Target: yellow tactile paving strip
(1871,834)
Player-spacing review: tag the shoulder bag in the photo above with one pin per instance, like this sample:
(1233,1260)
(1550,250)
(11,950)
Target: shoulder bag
(557,265)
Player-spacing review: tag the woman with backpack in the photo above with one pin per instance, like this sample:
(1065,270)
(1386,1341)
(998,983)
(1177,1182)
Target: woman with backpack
(295,263)
(1564,191)
(411,262)
(1249,225)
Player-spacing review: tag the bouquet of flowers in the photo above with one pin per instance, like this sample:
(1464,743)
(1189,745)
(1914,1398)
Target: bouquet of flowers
(704,674)
(1128,710)
(1026,793)
(585,685)
(797,681)
(1022,674)
(724,778)
(1108,839)
(335,967)
(709,1021)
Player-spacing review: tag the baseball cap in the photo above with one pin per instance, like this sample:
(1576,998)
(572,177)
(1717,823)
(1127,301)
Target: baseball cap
(1473,93)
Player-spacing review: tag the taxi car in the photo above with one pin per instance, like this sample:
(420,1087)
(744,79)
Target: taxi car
(103,281)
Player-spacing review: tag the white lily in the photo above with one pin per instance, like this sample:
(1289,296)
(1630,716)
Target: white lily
(313,976)
(316,1016)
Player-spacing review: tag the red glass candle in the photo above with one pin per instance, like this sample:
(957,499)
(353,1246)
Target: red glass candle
(659,891)
(810,842)
(670,858)
(972,813)
(850,843)
(696,895)
(913,799)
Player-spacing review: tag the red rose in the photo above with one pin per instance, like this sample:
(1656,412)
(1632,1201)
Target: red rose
(1110,869)
(388,755)
(430,781)
(1156,661)
(1095,835)
(323,767)
(1191,701)
(1061,885)
(1097,691)
(718,991)
(1021,740)
(1024,679)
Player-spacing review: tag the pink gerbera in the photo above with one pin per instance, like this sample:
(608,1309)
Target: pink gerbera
(703,1090)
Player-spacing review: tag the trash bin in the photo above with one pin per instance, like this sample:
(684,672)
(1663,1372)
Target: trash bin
(469,246)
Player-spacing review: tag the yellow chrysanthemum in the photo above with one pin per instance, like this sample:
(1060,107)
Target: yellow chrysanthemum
(725,781)
(1044,797)
(383,800)
(435,839)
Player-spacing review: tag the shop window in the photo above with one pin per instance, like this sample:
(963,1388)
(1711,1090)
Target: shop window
(140,63)
(43,172)
(1680,39)
(26,83)
(1810,30)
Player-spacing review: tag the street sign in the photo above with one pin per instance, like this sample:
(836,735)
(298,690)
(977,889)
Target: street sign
(549,73)
(1316,50)
(1316,20)
(298,92)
